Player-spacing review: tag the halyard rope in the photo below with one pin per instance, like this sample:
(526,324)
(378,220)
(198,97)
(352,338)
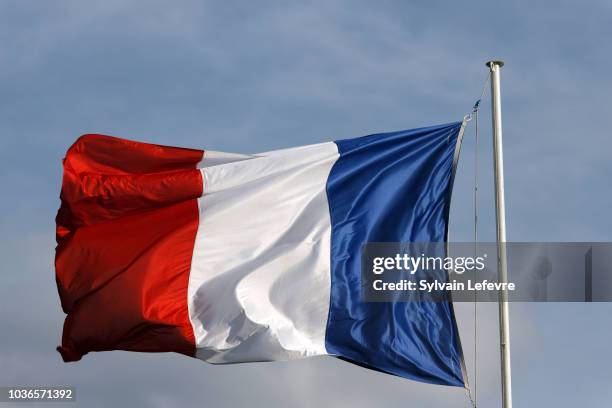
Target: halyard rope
(474,114)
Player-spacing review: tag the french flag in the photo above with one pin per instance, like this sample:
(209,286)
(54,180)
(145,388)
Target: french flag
(234,258)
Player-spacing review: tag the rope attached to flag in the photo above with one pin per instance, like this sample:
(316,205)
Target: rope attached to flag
(472,391)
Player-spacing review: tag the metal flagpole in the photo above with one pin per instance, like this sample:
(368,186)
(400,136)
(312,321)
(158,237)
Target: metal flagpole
(500,209)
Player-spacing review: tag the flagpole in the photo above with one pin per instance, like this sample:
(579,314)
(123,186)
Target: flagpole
(500,210)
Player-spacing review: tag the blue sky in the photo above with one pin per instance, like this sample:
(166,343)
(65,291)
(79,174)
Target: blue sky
(256,76)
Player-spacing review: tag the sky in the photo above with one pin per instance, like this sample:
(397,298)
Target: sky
(255,76)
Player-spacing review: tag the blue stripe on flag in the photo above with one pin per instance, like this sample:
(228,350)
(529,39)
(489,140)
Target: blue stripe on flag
(391,187)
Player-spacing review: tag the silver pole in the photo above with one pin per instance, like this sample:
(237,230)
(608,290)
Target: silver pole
(500,209)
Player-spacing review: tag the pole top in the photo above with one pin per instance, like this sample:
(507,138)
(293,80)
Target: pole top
(492,63)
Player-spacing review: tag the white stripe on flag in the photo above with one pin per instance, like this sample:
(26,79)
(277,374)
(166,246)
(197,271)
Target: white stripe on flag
(260,278)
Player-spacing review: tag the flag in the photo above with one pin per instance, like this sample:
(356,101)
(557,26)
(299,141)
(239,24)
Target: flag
(240,258)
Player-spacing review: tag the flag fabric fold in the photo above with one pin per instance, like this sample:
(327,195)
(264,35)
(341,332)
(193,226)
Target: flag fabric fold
(236,258)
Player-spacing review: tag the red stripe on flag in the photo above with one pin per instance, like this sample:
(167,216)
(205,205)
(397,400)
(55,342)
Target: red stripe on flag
(125,232)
